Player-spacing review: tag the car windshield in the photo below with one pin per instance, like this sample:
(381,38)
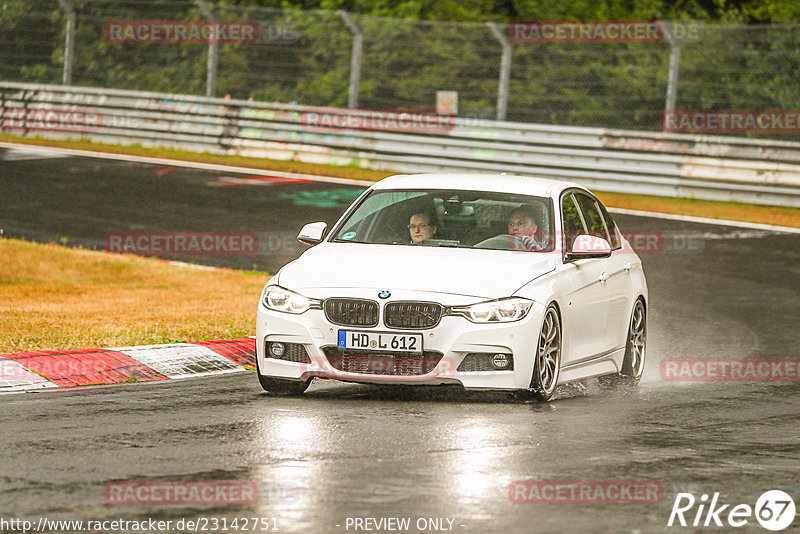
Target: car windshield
(448,218)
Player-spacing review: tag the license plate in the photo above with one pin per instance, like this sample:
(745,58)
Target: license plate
(382,341)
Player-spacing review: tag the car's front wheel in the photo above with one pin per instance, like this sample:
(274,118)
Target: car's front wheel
(635,349)
(281,386)
(548,356)
(633,364)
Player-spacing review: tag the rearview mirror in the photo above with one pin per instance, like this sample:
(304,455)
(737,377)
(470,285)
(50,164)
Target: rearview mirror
(588,246)
(312,233)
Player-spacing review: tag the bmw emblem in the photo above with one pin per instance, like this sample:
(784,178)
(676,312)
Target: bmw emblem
(384,294)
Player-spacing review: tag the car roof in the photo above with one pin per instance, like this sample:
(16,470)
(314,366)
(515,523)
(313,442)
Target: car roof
(527,185)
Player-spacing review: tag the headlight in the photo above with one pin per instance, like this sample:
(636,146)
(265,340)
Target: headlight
(281,299)
(495,311)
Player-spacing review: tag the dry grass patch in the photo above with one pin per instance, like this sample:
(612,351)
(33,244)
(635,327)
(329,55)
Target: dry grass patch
(704,208)
(52,297)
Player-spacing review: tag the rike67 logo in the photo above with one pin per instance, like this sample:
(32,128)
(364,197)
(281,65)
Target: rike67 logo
(774,510)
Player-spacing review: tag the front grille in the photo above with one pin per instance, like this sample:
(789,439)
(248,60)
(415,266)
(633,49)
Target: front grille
(482,361)
(293,352)
(412,314)
(382,363)
(352,312)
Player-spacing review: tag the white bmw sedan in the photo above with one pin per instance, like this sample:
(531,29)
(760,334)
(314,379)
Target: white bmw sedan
(492,282)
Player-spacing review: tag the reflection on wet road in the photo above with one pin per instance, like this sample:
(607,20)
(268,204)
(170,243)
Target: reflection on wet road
(369,451)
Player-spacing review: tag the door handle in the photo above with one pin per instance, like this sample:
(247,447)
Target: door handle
(603,276)
(627,266)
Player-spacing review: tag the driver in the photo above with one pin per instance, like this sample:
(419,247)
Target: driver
(422,226)
(522,223)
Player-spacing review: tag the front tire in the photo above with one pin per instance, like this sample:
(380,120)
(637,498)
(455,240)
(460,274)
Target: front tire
(281,386)
(635,350)
(633,364)
(547,364)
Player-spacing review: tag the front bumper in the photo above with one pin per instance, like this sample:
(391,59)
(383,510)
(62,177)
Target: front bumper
(454,337)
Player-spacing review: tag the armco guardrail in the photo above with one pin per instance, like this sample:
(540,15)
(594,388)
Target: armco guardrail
(708,167)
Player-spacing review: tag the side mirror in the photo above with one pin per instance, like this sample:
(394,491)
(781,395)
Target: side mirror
(588,246)
(312,233)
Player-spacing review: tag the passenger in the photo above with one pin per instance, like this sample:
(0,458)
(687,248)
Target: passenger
(422,226)
(522,223)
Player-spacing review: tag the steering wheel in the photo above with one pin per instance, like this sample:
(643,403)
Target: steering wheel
(503,242)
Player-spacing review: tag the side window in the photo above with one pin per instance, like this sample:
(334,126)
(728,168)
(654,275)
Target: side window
(592,217)
(573,225)
(613,231)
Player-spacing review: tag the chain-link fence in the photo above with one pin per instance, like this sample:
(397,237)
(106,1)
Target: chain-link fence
(329,58)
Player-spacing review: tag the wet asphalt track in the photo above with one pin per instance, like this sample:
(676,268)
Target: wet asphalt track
(84,201)
(364,451)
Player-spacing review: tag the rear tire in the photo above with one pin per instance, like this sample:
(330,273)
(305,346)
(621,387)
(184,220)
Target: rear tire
(281,386)
(547,364)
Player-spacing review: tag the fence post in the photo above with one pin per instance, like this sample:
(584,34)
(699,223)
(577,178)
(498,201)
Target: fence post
(69,44)
(674,67)
(355,60)
(505,70)
(213,52)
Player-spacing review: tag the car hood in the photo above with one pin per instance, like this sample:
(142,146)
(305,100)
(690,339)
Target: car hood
(480,273)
